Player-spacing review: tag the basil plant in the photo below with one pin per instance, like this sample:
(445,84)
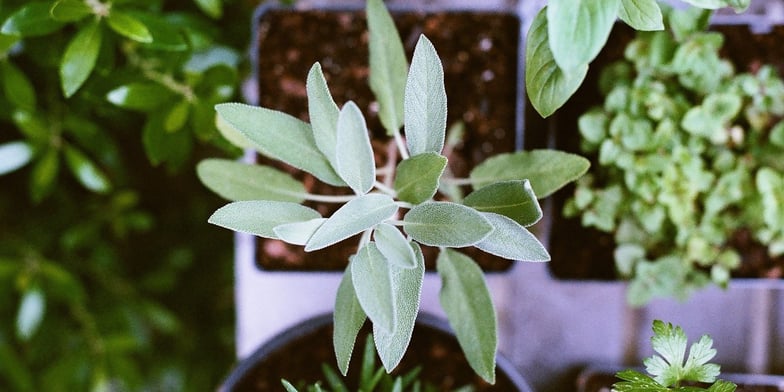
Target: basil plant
(397,212)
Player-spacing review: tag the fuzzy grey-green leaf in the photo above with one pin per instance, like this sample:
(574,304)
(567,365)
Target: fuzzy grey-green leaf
(417,177)
(448,224)
(425,101)
(514,199)
(355,162)
(239,181)
(512,241)
(388,66)
(323,113)
(348,319)
(370,275)
(298,233)
(357,215)
(259,217)
(395,247)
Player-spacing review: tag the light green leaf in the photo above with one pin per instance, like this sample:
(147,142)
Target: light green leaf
(512,241)
(417,177)
(280,136)
(355,162)
(514,199)
(323,114)
(70,10)
(388,66)
(642,15)
(548,86)
(14,155)
(129,27)
(287,385)
(165,35)
(356,216)
(79,58)
(466,300)
(407,290)
(162,146)
(298,233)
(348,319)
(88,174)
(238,181)
(373,285)
(213,8)
(143,96)
(259,217)
(32,19)
(425,101)
(547,170)
(228,132)
(7,42)
(394,246)
(17,87)
(578,29)
(31,312)
(441,223)
(177,116)
(44,175)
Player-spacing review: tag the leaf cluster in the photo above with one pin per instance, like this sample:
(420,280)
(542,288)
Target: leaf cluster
(567,35)
(383,281)
(687,153)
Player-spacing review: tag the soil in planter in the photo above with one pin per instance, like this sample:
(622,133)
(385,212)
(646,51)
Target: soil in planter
(479,54)
(602,382)
(438,354)
(586,253)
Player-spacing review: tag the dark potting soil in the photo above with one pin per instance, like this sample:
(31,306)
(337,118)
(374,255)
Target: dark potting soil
(586,253)
(479,54)
(602,382)
(443,364)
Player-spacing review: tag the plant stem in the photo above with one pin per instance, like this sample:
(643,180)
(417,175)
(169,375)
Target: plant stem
(327,198)
(384,188)
(401,144)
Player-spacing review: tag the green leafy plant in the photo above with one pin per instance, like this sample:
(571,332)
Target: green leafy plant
(384,278)
(688,155)
(668,371)
(567,35)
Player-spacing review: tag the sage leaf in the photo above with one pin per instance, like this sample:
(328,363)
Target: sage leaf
(31,312)
(142,96)
(407,290)
(388,66)
(259,217)
(129,27)
(239,181)
(644,15)
(547,170)
(440,223)
(578,29)
(70,10)
(355,162)
(512,241)
(280,136)
(394,246)
(373,285)
(352,218)
(417,177)
(425,101)
(348,319)
(32,19)
(80,57)
(298,233)
(514,199)
(86,172)
(17,87)
(548,86)
(466,301)
(323,113)
(14,155)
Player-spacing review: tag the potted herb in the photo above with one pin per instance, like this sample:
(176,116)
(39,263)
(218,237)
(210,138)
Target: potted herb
(384,278)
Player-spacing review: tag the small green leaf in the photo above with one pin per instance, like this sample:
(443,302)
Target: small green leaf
(287,385)
(514,199)
(547,170)
(466,300)
(280,136)
(388,66)
(417,177)
(238,181)
(31,313)
(355,162)
(7,42)
(17,86)
(32,19)
(548,86)
(323,114)
(644,15)
(356,216)
(70,10)
(373,286)
(88,174)
(80,57)
(394,246)
(165,35)
(177,116)
(512,241)
(14,155)
(298,233)
(129,27)
(213,8)
(425,101)
(259,217)
(578,29)
(348,319)
(44,175)
(446,224)
(143,96)
(163,146)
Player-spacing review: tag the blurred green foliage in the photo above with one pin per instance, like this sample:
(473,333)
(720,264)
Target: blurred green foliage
(110,278)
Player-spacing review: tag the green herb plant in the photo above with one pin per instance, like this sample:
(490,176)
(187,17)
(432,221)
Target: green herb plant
(689,159)
(668,371)
(384,278)
(566,35)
